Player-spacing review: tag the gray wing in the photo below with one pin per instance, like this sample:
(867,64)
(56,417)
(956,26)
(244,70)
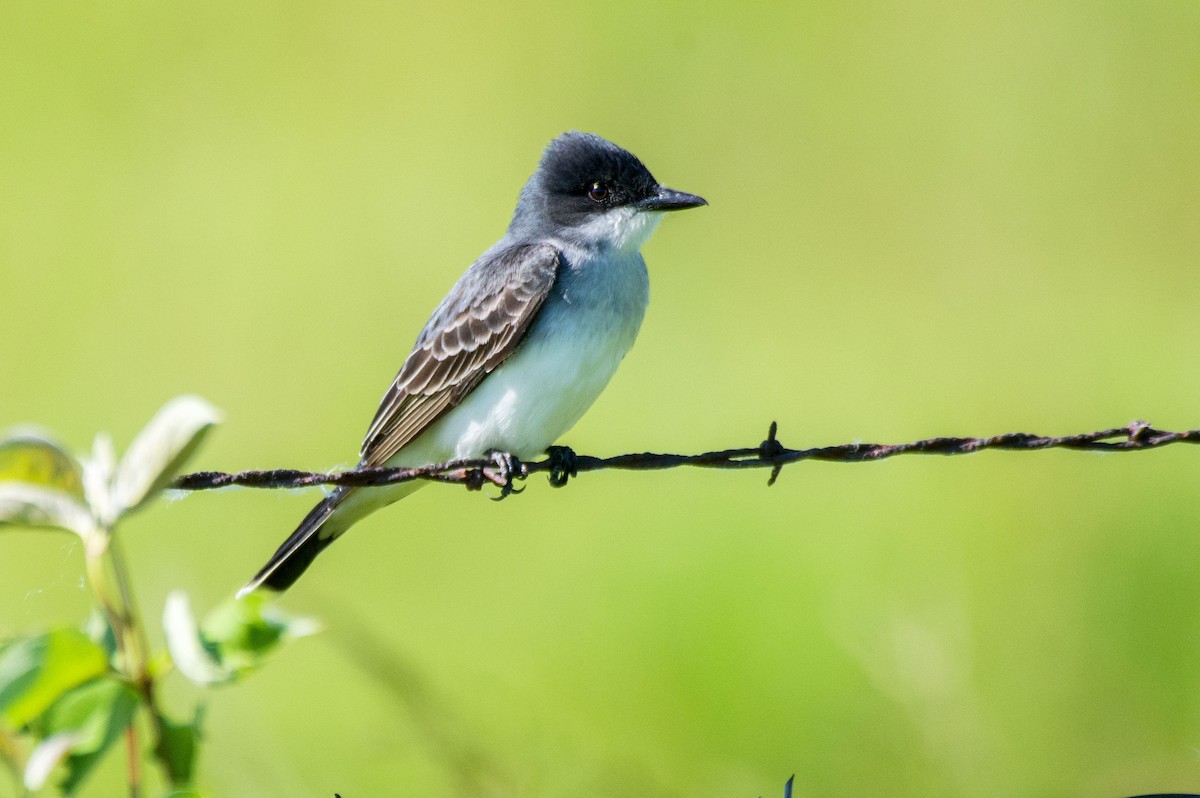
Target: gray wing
(473,331)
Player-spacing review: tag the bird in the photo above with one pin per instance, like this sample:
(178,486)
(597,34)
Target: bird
(524,342)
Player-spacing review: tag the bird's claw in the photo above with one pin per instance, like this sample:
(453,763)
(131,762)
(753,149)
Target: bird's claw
(562,465)
(504,469)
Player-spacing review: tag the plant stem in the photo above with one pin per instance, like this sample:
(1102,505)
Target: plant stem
(133,652)
(121,610)
(133,763)
(138,661)
(102,559)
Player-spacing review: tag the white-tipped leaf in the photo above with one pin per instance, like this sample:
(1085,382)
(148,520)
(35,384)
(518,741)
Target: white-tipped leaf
(235,639)
(41,484)
(22,504)
(161,449)
(186,645)
(98,478)
(85,723)
(47,755)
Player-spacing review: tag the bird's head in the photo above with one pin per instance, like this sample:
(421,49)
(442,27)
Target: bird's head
(592,192)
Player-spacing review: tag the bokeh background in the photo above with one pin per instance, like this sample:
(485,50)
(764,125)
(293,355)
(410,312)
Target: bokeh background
(926,218)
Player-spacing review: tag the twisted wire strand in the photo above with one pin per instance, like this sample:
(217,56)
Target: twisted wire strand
(562,463)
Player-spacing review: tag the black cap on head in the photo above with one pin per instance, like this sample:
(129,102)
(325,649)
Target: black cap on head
(582,175)
(575,163)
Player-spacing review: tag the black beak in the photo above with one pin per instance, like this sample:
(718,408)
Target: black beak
(668,199)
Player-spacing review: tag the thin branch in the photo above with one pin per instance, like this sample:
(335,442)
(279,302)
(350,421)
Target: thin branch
(562,463)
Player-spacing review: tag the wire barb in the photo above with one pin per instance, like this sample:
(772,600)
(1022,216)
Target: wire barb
(769,449)
(474,473)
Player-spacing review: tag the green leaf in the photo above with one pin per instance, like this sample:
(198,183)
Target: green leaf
(177,748)
(41,484)
(185,794)
(35,459)
(244,631)
(36,671)
(235,639)
(92,716)
(23,504)
(161,449)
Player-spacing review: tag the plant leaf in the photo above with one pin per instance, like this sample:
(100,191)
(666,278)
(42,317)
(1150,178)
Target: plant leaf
(161,449)
(35,459)
(23,504)
(186,645)
(237,636)
(243,632)
(177,748)
(36,671)
(94,714)
(97,479)
(46,756)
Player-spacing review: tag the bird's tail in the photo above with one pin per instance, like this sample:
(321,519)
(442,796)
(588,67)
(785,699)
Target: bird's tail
(318,529)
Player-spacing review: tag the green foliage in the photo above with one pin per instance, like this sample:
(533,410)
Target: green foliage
(69,694)
(33,459)
(36,671)
(41,486)
(78,729)
(178,744)
(234,640)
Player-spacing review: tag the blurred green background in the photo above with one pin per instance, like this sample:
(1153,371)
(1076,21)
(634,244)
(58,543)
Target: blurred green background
(926,218)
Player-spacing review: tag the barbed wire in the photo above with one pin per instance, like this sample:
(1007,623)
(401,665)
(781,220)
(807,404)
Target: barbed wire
(561,463)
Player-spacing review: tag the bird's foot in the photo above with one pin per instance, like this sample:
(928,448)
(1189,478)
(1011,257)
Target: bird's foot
(562,465)
(504,469)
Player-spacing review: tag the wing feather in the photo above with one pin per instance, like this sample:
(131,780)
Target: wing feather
(475,329)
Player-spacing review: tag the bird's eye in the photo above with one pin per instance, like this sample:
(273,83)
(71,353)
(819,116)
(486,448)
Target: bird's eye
(598,192)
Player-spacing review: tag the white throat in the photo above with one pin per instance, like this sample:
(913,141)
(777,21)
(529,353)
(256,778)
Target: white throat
(624,229)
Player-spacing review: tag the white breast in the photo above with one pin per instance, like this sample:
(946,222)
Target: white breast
(582,332)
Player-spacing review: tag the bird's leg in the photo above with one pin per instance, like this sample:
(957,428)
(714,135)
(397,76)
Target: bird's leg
(504,468)
(562,465)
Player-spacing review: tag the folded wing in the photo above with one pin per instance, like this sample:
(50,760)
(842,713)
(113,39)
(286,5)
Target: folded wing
(475,329)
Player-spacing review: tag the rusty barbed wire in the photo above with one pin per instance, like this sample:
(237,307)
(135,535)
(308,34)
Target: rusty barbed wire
(561,463)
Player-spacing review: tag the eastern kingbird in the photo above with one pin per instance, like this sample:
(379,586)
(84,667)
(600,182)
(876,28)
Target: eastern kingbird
(524,342)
